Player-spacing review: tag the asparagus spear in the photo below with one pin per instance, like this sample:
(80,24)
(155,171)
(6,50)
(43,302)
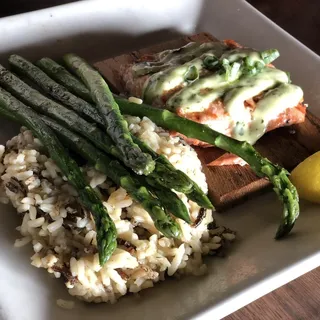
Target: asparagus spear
(172,203)
(162,176)
(68,117)
(61,75)
(106,230)
(115,125)
(42,104)
(116,172)
(195,193)
(59,93)
(278,176)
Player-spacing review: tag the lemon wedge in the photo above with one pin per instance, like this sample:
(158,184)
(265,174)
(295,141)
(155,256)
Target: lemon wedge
(306,178)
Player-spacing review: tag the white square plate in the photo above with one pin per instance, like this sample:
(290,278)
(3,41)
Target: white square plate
(257,264)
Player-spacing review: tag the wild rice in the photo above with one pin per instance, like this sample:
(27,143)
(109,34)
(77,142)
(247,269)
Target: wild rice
(63,233)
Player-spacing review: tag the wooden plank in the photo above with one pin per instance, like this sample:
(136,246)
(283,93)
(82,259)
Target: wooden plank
(229,185)
(110,68)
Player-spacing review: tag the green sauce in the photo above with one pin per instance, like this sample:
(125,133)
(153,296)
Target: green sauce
(273,103)
(197,95)
(172,72)
(236,54)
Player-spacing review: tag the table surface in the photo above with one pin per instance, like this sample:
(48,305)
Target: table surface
(299,299)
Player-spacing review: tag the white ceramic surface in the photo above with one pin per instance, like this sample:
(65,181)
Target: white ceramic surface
(257,264)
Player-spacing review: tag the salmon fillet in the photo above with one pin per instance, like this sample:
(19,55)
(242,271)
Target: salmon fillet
(214,114)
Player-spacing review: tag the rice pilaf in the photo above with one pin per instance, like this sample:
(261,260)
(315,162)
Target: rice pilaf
(63,234)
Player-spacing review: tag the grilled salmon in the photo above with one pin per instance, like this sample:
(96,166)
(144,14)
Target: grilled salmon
(233,89)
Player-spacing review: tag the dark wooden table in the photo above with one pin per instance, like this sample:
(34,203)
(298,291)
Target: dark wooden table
(299,299)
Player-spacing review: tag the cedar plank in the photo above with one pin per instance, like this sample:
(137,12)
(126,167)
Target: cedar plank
(229,185)
(110,68)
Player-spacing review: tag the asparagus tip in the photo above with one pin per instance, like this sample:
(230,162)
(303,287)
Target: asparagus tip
(169,230)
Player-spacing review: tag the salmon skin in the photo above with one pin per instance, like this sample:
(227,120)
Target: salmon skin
(187,81)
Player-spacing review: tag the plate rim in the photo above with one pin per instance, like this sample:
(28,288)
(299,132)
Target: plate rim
(271,282)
